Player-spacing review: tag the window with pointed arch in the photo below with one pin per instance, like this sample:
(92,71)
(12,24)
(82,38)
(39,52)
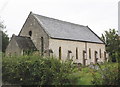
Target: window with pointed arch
(42,46)
(76,53)
(100,54)
(96,57)
(60,53)
(89,53)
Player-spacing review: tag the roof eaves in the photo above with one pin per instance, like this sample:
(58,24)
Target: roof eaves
(75,40)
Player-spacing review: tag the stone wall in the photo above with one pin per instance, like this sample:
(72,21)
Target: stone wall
(66,45)
(13,48)
(33,25)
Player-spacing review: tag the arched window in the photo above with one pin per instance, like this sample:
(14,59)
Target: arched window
(59,52)
(89,53)
(42,46)
(69,52)
(30,33)
(84,57)
(100,53)
(96,57)
(76,53)
(105,56)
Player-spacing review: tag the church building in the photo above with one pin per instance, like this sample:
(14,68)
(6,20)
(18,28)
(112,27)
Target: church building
(53,37)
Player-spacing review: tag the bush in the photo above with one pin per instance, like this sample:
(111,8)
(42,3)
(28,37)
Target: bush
(107,75)
(36,70)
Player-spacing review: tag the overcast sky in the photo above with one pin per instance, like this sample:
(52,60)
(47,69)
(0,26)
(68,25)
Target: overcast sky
(99,15)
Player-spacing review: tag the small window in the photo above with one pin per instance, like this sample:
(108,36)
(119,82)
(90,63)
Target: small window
(100,54)
(30,33)
(96,56)
(59,52)
(42,46)
(76,53)
(84,57)
(105,56)
(69,52)
(89,53)
(50,52)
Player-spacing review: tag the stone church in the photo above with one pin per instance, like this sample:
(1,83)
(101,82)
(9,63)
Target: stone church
(53,37)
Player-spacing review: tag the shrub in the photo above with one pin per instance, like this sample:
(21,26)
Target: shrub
(107,75)
(36,70)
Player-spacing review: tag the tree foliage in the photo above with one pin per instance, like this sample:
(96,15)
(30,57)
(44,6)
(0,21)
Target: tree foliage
(5,38)
(112,42)
(5,41)
(108,74)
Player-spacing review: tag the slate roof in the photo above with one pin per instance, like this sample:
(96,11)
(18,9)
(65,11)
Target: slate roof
(25,43)
(65,30)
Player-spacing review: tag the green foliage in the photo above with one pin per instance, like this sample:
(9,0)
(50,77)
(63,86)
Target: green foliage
(85,76)
(107,75)
(5,38)
(36,70)
(112,42)
(5,41)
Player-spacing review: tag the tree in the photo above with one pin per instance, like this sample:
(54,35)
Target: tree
(4,39)
(112,42)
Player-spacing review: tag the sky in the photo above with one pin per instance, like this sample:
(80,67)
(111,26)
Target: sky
(99,15)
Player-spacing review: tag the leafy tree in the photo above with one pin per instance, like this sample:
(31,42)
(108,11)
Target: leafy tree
(112,42)
(5,41)
(5,38)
